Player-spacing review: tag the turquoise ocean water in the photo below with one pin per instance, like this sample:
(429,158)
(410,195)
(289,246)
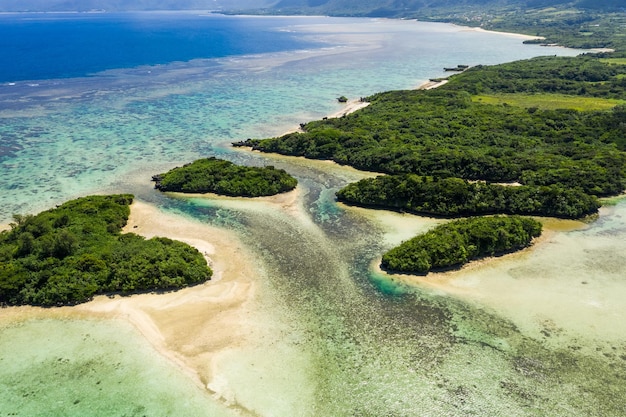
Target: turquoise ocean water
(372,347)
(65,137)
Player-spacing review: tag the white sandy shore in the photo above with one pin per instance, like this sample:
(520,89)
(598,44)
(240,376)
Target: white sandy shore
(510,34)
(354,105)
(190,326)
(430,84)
(350,107)
(450,282)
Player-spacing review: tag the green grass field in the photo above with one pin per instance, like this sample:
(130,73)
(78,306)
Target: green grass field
(549,101)
(614,61)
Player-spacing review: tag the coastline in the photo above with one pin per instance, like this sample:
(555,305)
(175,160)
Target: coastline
(179,325)
(510,34)
(225,336)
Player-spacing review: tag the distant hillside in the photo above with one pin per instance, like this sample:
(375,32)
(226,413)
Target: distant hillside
(380,8)
(407,8)
(583,24)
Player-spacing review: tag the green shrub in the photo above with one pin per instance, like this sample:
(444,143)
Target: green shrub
(212,175)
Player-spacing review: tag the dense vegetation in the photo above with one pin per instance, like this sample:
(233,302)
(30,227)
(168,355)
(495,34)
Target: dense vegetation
(212,175)
(456,243)
(457,197)
(581,76)
(68,254)
(445,133)
(444,148)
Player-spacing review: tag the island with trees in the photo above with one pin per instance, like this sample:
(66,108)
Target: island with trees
(451,197)
(456,243)
(68,254)
(544,136)
(213,175)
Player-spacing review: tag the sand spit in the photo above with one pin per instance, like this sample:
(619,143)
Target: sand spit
(350,107)
(289,202)
(430,84)
(191,326)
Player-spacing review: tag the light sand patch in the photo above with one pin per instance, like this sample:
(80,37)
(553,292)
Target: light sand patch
(430,84)
(192,326)
(289,202)
(548,290)
(398,227)
(223,333)
(509,34)
(350,107)
(324,165)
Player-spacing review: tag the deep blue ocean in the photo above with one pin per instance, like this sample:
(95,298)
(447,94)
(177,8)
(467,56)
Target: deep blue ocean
(39,46)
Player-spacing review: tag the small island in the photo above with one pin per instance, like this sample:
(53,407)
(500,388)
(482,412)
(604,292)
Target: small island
(66,255)
(212,175)
(456,243)
(450,197)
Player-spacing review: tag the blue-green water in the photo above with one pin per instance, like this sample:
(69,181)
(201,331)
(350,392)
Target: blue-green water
(365,345)
(62,138)
(91,368)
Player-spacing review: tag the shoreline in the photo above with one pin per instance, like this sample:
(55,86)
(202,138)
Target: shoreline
(176,324)
(445,280)
(193,327)
(510,34)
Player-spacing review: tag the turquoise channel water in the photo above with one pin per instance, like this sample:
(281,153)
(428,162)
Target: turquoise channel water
(368,345)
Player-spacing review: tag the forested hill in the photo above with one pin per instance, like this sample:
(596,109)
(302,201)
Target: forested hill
(573,23)
(399,8)
(391,8)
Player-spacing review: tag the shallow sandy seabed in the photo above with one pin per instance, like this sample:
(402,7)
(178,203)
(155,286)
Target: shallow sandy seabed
(210,330)
(542,288)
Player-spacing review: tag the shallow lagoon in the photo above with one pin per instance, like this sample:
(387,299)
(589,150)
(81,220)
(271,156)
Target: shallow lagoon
(536,333)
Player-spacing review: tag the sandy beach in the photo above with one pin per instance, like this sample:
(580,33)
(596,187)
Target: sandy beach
(191,326)
(510,34)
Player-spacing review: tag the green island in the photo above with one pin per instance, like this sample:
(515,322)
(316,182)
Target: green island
(458,197)
(544,136)
(453,244)
(445,133)
(66,255)
(212,175)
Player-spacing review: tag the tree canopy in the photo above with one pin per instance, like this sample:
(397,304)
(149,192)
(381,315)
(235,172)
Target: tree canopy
(444,149)
(458,197)
(71,253)
(562,156)
(456,243)
(212,175)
